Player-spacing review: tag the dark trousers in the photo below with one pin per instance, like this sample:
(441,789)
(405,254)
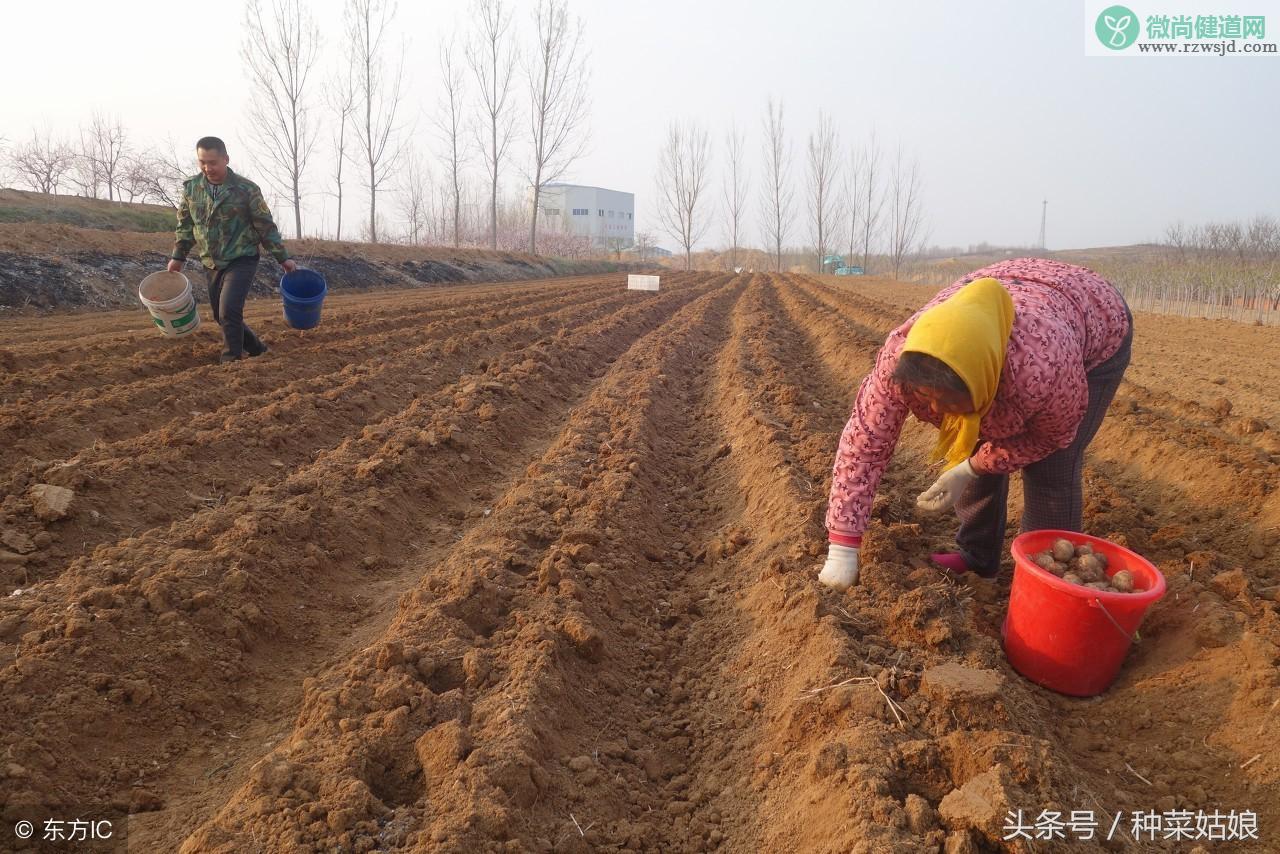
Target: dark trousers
(1052,492)
(228,289)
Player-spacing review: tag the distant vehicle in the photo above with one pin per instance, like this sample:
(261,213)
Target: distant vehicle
(848,271)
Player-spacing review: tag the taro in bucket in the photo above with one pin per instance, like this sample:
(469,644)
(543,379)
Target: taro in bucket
(1071,634)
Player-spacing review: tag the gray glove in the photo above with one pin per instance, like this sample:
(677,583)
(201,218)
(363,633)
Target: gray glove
(946,491)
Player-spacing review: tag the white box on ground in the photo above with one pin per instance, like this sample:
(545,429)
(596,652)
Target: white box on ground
(641,283)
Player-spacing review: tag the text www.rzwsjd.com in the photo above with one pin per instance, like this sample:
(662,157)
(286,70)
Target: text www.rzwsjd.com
(1219,48)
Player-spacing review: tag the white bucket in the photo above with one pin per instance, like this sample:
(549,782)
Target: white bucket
(169,299)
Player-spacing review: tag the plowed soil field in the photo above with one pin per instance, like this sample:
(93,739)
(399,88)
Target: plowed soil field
(532,567)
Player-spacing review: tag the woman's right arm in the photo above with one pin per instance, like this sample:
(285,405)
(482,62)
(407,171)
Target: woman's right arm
(866,445)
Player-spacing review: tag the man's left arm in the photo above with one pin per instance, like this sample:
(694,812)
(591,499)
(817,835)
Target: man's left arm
(265,225)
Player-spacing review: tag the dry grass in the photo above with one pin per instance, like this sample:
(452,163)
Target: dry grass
(40,238)
(11,198)
(18,206)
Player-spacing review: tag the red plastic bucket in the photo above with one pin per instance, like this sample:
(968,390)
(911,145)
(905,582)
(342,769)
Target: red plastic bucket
(1070,638)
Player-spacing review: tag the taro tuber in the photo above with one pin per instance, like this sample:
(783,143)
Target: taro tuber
(1123,581)
(1084,566)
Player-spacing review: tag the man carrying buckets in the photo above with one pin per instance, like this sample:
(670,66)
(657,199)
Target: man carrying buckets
(224,216)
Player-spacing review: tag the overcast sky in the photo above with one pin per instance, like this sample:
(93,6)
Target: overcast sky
(997,100)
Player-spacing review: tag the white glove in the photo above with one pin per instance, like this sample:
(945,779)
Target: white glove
(946,490)
(840,572)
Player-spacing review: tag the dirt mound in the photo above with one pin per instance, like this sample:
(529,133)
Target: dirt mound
(532,567)
(51,267)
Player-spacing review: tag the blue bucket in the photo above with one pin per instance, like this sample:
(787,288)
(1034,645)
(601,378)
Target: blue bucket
(303,293)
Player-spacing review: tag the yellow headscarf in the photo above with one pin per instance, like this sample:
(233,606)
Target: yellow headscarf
(969,333)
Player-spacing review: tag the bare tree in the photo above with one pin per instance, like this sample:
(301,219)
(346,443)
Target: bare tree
(1264,243)
(558,102)
(475,214)
(6,163)
(513,222)
(342,100)
(84,173)
(906,216)
(775,192)
(735,191)
(132,181)
(492,57)
(644,245)
(157,174)
(97,161)
(872,203)
(110,147)
(279,55)
(43,162)
(1176,236)
(682,178)
(852,198)
(823,182)
(378,97)
(449,122)
(441,212)
(1263,238)
(415,198)
(6,175)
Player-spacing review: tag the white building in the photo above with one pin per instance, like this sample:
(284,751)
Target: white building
(606,216)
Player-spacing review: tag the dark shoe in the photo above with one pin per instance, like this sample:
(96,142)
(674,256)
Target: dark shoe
(227,357)
(264,351)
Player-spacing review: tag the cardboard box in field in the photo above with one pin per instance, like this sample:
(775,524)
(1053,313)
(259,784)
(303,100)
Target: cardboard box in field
(641,283)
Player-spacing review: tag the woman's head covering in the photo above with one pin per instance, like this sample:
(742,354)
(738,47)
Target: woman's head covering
(969,333)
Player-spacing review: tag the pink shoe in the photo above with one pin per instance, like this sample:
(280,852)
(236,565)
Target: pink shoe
(954,563)
(950,561)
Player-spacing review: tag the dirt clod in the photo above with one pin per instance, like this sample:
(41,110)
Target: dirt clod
(50,502)
(956,680)
(981,804)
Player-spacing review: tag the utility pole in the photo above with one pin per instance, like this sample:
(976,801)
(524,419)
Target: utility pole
(1044,212)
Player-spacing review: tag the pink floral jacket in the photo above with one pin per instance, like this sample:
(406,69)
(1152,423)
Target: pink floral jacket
(1066,321)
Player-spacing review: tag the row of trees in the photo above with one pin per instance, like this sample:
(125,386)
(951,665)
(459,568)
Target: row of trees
(853,201)
(100,162)
(496,90)
(432,213)
(501,84)
(478,112)
(440,211)
(1225,269)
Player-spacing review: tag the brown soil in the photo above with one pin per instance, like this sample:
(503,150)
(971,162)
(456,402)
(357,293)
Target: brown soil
(532,567)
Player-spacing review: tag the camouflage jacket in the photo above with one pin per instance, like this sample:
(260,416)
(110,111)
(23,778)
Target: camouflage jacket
(228,227)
